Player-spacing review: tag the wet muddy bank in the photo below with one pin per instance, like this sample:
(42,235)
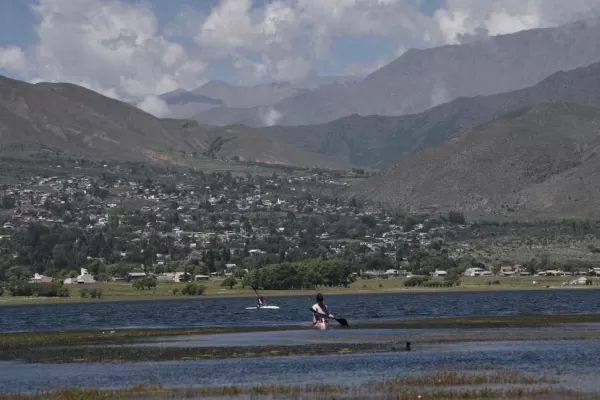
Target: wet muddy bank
(127,354)
(120,336)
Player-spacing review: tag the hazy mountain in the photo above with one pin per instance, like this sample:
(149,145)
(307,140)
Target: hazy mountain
(421,79)
(219,94)
(541,160)
(381,141)
(86,124)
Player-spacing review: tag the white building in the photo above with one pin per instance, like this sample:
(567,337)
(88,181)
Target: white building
(84,277)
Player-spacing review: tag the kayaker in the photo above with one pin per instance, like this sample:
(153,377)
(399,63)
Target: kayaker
(321,310)
(261,301)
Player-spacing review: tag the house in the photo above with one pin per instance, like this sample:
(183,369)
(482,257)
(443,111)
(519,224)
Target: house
(474,272)
(37,278)
(84,277)
(438,273)
(167,277)
(580,281)
(133,276)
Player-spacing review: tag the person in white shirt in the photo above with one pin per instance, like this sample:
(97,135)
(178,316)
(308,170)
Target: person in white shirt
(320,311)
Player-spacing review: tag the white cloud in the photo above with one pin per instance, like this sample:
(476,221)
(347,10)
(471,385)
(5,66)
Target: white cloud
(111,46)
(270,117)
(117,47)
(497,17)
(155,106)
(12,58)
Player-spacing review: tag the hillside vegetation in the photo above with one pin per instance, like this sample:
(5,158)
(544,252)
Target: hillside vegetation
(538,160)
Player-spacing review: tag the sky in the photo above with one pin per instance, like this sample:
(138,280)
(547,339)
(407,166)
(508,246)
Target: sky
(134,50)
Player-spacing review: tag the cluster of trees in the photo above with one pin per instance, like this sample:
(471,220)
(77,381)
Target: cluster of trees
(305,275)
(193,289)
(21,288)
(96,293)
(148,282)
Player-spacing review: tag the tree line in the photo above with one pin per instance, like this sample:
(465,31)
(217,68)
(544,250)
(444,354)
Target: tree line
(304,275)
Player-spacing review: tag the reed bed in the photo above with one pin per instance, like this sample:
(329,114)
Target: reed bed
(438,386)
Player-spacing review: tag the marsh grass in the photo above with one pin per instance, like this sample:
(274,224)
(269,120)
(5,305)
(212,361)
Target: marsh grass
(451,378)
(125,354)
(314,392)
(436,386)
(68,338)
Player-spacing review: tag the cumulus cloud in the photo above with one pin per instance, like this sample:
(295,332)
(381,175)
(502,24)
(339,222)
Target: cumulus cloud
(118,47)
(109,46)
(270,117)
(12,58)
(155,106)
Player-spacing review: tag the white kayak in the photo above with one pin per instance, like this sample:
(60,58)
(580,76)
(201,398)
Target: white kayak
(321,325)
(267,307)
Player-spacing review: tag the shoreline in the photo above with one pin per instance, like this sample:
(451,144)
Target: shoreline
(125,346)
(242,294)
(31,339)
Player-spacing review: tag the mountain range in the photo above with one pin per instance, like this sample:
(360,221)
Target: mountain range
(379,141)
(186,104)
(83,123)
(421,79)
(542,160)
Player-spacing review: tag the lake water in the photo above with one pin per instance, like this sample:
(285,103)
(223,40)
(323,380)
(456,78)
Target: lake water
(575,363)
(294,309)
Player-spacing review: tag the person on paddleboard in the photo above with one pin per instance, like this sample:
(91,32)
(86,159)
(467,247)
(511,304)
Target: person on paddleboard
(261,301)
(321,310)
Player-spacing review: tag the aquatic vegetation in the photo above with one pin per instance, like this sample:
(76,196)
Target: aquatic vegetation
(366,391)
(38,339)
(69,338)
(124,354)
(451,378)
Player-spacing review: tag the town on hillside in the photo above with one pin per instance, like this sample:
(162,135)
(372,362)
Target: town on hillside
(258,230)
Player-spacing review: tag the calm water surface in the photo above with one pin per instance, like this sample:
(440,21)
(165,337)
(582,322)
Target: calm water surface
(294,309)
(575,363)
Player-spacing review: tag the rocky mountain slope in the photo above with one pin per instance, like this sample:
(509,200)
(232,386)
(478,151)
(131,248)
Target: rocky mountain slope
(379,141)
(541,160)
(83,123)
(421,79)
(185,104)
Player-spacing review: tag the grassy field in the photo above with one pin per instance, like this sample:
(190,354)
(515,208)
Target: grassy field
(164,291)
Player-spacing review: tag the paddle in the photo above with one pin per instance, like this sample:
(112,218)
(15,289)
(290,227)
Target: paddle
(258,295)
(341,321)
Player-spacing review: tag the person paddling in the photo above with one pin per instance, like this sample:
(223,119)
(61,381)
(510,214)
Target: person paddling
(320,311)
(261,301)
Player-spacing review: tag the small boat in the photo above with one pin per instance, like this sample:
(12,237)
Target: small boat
(321,325)
(267,307)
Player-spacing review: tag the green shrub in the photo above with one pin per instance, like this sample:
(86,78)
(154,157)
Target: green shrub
(193,289)
(147,282)
(84,293)
(96,293)
(416,281)
(38,289)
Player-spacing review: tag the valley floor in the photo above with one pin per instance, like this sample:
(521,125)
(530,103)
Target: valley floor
(165,291)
